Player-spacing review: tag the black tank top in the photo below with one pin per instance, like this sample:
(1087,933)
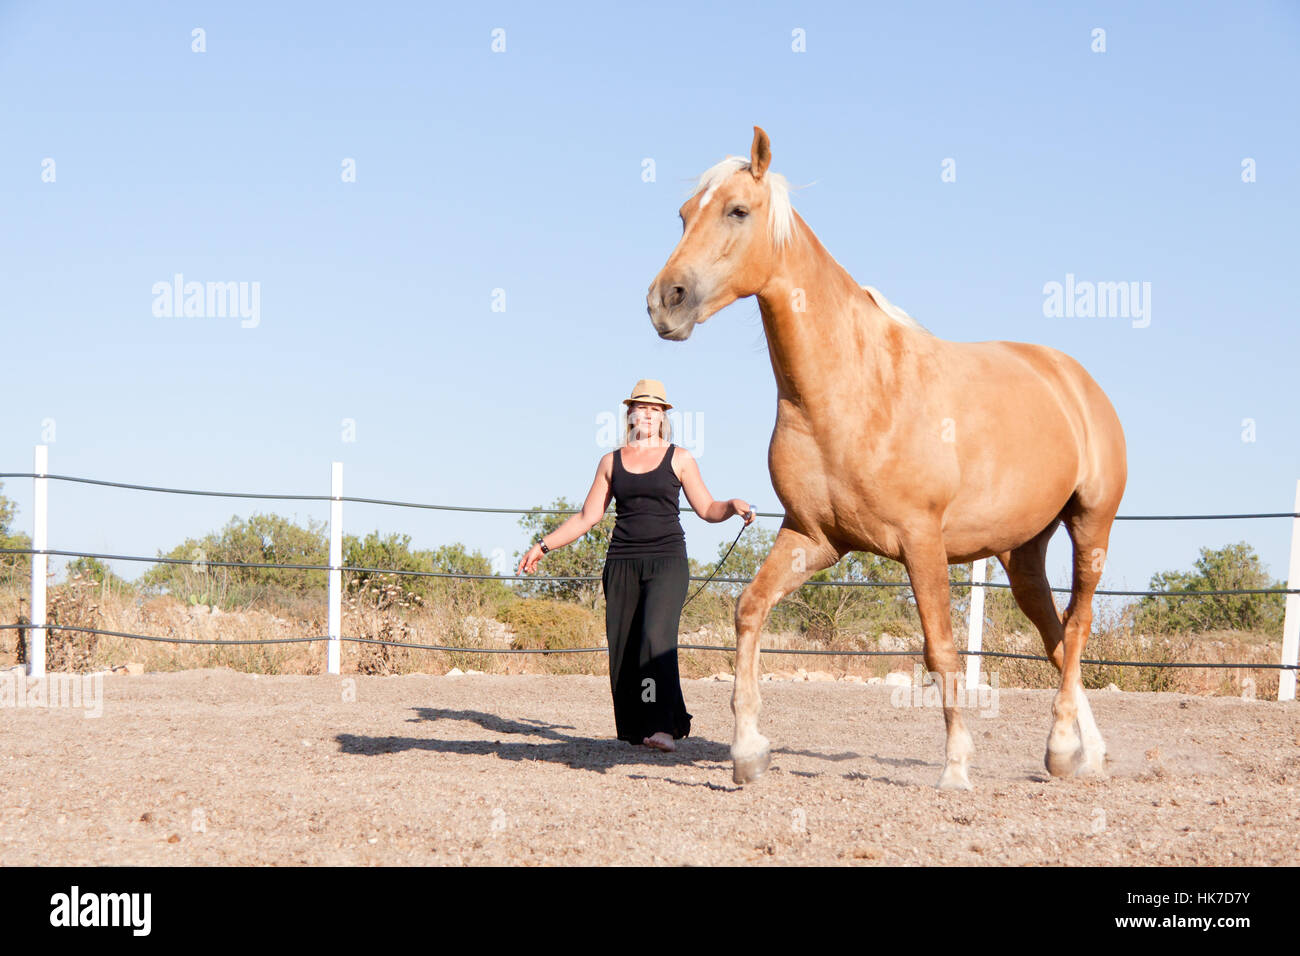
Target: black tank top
(647,508)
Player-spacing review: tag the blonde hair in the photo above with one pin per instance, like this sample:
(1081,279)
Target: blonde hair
(665,426)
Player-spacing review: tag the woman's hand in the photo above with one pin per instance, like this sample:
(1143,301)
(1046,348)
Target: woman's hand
(528,563)
(741,507)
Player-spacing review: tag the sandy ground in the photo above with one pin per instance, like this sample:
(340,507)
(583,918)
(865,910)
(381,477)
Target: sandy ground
(219,767)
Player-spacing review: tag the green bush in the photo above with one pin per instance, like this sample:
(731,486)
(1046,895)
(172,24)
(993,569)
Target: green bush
(1232,567)
(14,568)
(584,557)
(260,539)
(92,569)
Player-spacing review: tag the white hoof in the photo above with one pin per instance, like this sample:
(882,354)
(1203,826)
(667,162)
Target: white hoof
(1091,764)
(1064,751)
(955,778)
(749,766)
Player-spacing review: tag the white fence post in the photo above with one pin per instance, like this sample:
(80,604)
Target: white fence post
(336,561)
(1291,624)
(40,563)
(975,637)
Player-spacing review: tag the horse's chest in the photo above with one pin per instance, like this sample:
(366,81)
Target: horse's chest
(837,497)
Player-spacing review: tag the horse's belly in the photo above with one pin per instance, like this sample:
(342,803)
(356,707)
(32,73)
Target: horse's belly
(1002,502)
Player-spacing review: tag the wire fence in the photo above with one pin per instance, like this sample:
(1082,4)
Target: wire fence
(552,511)
(593,577)
(338,499)
(601,649)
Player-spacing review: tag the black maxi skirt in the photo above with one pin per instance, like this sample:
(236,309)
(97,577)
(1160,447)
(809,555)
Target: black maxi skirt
(643,605)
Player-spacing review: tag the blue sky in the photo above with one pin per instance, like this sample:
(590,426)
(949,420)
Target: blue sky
(522,171)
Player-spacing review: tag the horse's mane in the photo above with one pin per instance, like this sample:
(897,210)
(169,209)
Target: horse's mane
(780,220)
(893,311)
(780,214)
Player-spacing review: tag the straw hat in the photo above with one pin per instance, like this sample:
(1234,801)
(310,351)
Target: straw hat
(649,390)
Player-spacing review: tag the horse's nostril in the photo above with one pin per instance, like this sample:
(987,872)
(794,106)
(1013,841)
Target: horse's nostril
(675,297)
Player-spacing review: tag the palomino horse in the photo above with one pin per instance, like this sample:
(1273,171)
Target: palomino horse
(891,440)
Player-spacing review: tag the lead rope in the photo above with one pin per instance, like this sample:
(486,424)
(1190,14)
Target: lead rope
(720,563)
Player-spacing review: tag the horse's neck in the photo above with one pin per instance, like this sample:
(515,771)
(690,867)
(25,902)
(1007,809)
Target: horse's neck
(823,330)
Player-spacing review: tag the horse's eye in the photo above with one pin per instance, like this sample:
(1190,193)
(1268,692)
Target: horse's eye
(739,212)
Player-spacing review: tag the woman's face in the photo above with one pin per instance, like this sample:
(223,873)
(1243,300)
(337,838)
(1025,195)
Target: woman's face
(646,419)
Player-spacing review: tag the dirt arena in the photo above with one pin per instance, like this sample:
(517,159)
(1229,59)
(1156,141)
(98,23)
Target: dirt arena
(218,767)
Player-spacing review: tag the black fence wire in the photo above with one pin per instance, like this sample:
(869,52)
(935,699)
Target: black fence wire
(536,579)
(906,652)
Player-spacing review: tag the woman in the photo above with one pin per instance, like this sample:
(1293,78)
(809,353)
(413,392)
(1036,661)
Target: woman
(646,571)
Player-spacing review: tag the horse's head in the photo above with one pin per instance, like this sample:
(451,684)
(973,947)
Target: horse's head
(733,226)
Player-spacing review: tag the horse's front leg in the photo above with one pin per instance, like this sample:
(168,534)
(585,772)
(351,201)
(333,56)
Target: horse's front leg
(927,568)
(794,557)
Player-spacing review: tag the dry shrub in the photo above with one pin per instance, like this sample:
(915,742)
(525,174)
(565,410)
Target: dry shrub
(541,624)
(692,663)
(372,612)
(555,625)
(382,609)
(74,604)
(1014,672)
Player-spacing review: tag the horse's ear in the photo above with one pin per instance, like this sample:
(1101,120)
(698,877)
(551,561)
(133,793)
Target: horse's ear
(760,153)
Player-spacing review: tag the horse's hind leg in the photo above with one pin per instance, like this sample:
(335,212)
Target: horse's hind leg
(1026,568)
(1075,744)
(794,557)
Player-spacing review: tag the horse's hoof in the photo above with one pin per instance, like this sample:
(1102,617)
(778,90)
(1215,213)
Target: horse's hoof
(1061,763)
(749,768)
(1091,766)
(954,778)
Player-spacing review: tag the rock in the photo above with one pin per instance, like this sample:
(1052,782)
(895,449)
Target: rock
(819,675)
(135,668)
(455,672)
(488,629)
(875,680)
(1112,687)
(800,674)
(898,679)
(723,677)
(852,679)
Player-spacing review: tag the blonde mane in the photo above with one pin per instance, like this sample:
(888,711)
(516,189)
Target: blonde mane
(893,311)
(780,214)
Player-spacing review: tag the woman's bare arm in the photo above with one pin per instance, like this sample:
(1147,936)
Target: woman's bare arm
(576,525)
(703,503)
